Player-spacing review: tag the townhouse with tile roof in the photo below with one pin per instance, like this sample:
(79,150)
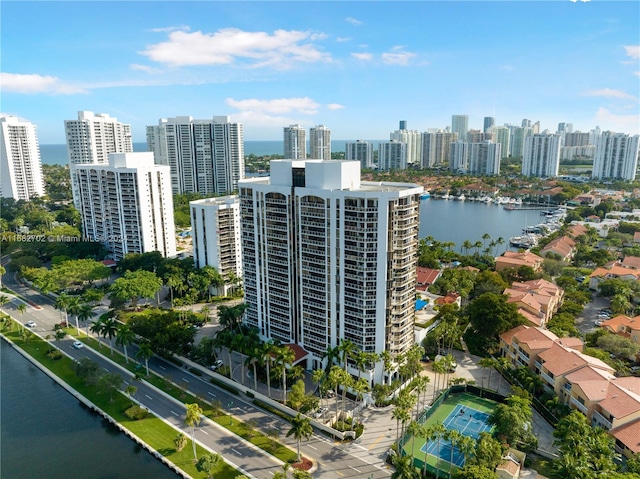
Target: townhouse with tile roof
(612,271)
(563,246)
(582,382)
(536,300)
(513,259)
(624,326)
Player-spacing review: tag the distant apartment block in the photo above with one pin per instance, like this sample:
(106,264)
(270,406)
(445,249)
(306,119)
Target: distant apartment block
(205,156)
(327,257)
(460,125)
(484,158)
(20,166)
(411,138)
(541,155)
(616,156)
(513,259)
(459,156)
(502,135)
(392,155)
(90,140)
(517,137)
(436,147)
(127,204)
(320,142)
(489,123)
(215,229)
(361,151)
(295,142)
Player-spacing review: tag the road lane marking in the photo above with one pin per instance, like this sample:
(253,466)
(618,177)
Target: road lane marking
(174,413)
(236,452)
(314,448)
(338,472)
(148,396)
(211,394)
(162,367)
(185,380)
(357,470)
(375,442)
(202,430)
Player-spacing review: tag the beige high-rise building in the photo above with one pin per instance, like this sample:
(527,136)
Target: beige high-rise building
(295,142)
(328,257)
(320,143)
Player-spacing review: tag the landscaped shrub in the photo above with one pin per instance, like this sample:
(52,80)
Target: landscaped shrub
(225,386)
(136,413)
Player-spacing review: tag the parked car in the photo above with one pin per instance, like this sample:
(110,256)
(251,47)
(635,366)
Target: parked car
(30,324)
(320,412)
(78,345)
(452,367)
(217,364)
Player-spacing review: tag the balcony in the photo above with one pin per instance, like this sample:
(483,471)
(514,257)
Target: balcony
(581,407)
(548,378)
(599,420)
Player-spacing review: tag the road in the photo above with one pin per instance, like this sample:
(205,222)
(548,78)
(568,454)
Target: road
(334,460)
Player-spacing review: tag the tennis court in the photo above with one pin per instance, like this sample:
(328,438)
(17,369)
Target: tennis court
(469,422)
(464,412)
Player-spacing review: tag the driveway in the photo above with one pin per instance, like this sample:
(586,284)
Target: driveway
(586,321)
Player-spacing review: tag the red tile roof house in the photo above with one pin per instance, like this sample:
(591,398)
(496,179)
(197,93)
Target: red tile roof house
(631,262)
(636,237)
(577,230)
(563,246)
(537,300)
(624,326)
(512,259)
(583,382)
(426,277)
(615,271)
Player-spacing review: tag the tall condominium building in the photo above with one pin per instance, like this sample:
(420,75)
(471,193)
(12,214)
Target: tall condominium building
(320,142)
(20,168)
(484,158)
(295,142)
(205,156)
(361,151)
(564,128)
(541,156)
(518,135)
(489,122)
(436,147)
(459,156)
(576,139)
(412,139)
(215,229)
(90,140)
(616,156)
(127,204)
(502,135)
(392,155)
(460,125)
(328,258)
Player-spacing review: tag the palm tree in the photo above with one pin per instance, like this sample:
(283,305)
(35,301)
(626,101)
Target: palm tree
(84,313)
(437,432)
(347,348)
(466,246)
(205,310)
(421,387)
(336,377)
(331,355)
(318,377)
(487,363)
(73,307)
(453,436)
(404,468)
(387,361)
(22,308)
(284,357)
(400,414)
(130,390)
(499,242)
(145,353)
(109,330)
(300,428)
(96,328)
(414,428)
(125,337)
(485,237)
(467,447)
(4,300)
(62,303)
(191,420)
(268,349)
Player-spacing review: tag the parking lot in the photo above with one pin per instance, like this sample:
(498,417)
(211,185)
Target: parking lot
(586,322)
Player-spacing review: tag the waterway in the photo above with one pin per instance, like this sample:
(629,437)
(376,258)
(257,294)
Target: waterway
(45,432)
(457,221)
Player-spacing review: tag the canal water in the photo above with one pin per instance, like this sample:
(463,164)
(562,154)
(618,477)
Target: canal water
(46,433)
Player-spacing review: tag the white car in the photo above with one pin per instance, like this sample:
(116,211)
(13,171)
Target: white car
(218,364)
(78,345)
(30,324)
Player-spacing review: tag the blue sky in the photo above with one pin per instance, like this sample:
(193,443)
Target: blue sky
(357,67)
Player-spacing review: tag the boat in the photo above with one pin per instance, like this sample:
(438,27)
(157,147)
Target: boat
(447,197)
(525,242)
(461,197)
(425,195)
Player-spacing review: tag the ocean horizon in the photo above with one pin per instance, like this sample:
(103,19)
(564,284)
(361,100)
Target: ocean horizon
(56,154)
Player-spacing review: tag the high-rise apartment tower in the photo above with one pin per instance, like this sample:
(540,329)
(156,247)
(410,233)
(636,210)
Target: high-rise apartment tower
(20,168)
(320,142)
(541,155)
(328,258)
(616,156)
(295,142)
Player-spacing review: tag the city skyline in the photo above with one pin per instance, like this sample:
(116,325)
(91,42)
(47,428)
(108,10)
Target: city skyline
(269,64)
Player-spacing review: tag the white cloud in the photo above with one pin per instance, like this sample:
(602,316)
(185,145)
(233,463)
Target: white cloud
(334,106)
(343,39)
(632,51)
(304,105)
(362,56)
(622,123)
(184,28)
(609,93)
(397,58)
(230,45)
(34,83)
(353,21)
(144,68)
